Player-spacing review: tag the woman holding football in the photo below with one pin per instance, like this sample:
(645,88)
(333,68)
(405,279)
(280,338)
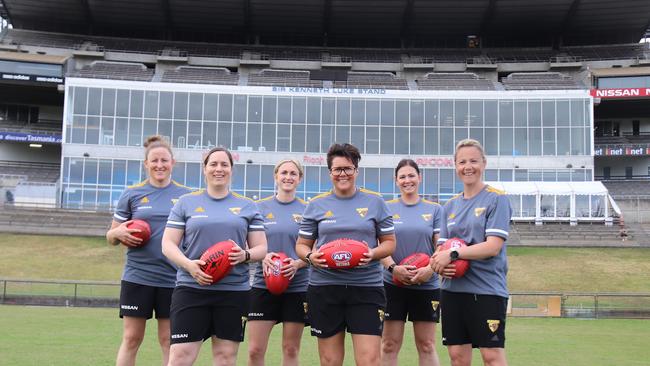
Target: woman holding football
(149,278)
(417,291)
(474,306)
(346,299)
(201,309)
(282,214)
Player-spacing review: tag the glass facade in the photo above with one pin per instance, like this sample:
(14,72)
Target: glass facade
(118,116)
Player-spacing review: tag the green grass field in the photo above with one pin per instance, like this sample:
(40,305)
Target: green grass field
(83,336)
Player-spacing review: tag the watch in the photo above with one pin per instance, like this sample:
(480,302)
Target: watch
(248,256)
(454,254)
(307,258)
(391,267)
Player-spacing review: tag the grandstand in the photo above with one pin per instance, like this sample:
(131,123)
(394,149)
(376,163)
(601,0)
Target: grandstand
(274,79)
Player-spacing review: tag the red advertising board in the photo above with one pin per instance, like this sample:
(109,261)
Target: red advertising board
(620,93)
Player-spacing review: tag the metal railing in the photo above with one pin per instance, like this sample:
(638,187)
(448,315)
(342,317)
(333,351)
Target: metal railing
(527,304)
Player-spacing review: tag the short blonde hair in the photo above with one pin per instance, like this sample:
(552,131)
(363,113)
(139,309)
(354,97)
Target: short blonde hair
(295,162)
(469,143)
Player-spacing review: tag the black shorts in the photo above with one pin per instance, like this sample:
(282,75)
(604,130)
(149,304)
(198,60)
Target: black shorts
(479,320)
(139,301)
(335,308)
(286,307)
(196,314)
(418,305)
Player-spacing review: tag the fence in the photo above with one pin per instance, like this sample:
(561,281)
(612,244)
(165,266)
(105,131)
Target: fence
(527,304)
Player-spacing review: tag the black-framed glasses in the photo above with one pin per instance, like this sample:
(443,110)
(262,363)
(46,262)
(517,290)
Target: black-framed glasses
(348,170)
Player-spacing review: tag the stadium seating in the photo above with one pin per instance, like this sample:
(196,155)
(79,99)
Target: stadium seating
(200,75)
(627,187)
(34,172)
(269,77)
(114,70)
(385,80)
(539,81)
(53,221)
(454,81)
(565,235)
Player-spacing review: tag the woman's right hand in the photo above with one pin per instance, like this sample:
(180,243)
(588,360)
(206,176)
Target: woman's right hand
(404,274)
(123,234)
(193,267)
(317,261)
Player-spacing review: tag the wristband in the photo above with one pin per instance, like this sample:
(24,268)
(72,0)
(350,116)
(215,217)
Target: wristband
(248,256)
(307,258)
(391,267)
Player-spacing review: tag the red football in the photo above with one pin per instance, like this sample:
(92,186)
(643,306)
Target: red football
(144,233)
(462,265)
(418,260)
(276,283)
(216,260)
(343,253)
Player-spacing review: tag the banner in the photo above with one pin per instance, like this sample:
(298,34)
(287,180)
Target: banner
(620,93)
(30,137)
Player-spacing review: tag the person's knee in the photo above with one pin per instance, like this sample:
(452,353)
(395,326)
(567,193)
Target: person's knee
(493,357)
(180,356)
(460,358)
(256,351)
(132,340)
(331,359)
(390,345)
(426,346)
(290,350)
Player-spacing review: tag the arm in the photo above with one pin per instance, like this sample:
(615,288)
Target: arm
(257,248)
(489,248)
(119,233)
(385,247)
(305,246)
(170,242)
(421,275)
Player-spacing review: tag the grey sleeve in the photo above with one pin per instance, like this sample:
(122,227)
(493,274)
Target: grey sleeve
(437,218)
(309,224)
(177,218)
(443,226)
(498,218)
(384,224)
(123,209)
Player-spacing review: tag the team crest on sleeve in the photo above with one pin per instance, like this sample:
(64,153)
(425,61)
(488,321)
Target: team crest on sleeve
(493,325)
(451,216)
(270,216)
(174,200)
(434,305)
(296,218)
(396,217)
(329,213)
(235,210)
(144,200)
(362,211)
(478,211)
(427,217)
(199,209)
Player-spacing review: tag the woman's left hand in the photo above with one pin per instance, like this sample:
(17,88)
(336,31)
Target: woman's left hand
(440,260)
(421,275)
(367,257)
(290,267)
(237,255)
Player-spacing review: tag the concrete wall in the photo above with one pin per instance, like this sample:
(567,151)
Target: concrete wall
(13,151)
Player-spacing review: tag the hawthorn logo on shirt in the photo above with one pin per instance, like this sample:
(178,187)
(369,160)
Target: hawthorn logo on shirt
(434,305)
(451,216)
(199,209)
(427,217)
(329,214)
(362,211)
(235,210)
(296,218)
(396,217)
(144,200)
(174,200)
(270,216)
(478,211)
(493,325)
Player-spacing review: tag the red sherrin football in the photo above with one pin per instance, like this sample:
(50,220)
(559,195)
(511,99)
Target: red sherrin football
(462,265)
(418,260)
(343,253)
(216,260)
(145,230)
(276,283)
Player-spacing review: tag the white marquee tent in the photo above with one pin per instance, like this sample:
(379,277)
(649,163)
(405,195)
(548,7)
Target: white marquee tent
(558,201)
